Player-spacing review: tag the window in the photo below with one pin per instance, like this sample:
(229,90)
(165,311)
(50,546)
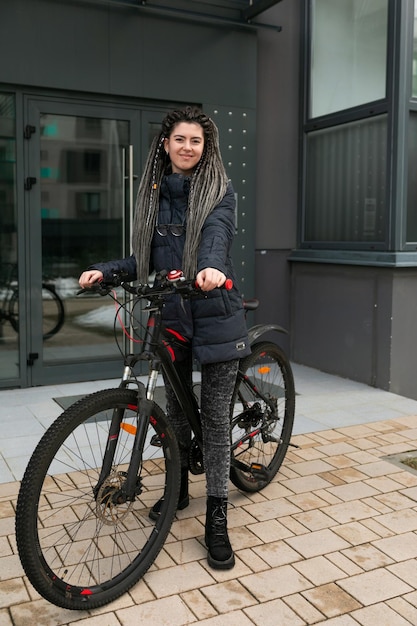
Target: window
(348,54)
(346,182)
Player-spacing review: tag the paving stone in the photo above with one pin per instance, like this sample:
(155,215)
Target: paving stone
(235,618)
(42,612)
(303,609)
(275,583)
(374,586)
(405,570)
(108,619)
(307,468)
(340,461)
(273,613)
(380,614)
(355,533)
(306,484)
(317,543)
(271,530)
(198,604)
(179,579)
(353,491)
(399,547)
(252,560)
(348,475)
(400,521)
(5,619)
(307,501)
(186,551)
(293,525)
(13,592)
(277,553)
(319,570)
(396,500)
(228,595)
(368,557)
(314,520)
(403,608)
(270,510)
(331,600)
(345,564)
(170,611)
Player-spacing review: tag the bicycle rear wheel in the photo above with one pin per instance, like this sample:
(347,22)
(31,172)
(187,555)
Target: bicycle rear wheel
(263,406)
(79,547)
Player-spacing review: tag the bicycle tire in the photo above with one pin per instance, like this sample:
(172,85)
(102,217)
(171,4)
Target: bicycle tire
(53,311)
(81,551)
(260,434)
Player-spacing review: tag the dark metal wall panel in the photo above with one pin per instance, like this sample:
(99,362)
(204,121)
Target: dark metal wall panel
(341,320)
(55,45)
(119,51)
(153,57)
(277,128)
(404,334)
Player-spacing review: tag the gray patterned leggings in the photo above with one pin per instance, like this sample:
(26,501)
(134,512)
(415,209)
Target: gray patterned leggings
(217,384)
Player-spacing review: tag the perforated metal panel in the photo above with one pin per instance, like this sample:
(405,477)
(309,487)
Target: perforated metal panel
(237,141)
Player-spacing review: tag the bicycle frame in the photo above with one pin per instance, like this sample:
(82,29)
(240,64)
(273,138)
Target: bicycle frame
(161,360)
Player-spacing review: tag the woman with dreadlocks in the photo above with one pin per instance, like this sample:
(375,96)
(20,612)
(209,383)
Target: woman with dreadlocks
(185,219)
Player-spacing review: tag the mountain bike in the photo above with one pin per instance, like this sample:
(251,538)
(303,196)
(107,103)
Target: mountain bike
(83,530)
(53,312)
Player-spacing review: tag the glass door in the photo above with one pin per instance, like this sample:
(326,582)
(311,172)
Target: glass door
(9,285)
(79,201)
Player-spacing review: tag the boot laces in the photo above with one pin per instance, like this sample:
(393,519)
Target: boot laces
(219,519)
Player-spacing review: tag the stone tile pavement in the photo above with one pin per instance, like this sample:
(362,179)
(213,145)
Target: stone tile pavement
(333,539)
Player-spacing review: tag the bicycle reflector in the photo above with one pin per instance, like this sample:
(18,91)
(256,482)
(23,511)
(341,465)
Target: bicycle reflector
(129,428)
(265,369)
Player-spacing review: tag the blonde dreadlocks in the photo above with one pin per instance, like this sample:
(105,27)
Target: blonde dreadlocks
(207,188)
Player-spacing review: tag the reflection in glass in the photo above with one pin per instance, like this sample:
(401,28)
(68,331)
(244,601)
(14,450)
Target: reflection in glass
(82,209)
(346,182)
(412,179)
(414,88)
(348,54)
(9,297)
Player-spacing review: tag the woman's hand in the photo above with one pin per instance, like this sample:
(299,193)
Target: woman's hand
(210,278)
(88,278)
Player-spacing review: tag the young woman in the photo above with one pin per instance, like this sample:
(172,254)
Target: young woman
(185,219)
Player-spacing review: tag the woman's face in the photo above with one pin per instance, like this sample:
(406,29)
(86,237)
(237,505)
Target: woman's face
(185,147)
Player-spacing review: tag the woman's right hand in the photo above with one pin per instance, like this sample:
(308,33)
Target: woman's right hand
(88,278)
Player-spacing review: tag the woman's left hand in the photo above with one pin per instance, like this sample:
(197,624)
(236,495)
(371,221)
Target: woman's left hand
(210,278)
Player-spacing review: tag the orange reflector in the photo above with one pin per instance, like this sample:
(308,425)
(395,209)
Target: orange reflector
(129,428)
(264,370)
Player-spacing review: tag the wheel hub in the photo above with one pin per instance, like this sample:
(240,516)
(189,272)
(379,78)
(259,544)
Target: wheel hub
(111,508)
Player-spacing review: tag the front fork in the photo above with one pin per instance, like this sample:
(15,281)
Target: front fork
(144,412)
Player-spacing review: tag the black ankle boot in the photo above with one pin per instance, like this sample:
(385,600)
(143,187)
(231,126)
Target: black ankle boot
(220,554)
(183,499)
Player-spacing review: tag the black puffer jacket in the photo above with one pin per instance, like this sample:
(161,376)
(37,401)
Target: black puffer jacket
(216,323)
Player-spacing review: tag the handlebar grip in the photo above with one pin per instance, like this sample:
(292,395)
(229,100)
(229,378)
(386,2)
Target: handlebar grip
(228,284)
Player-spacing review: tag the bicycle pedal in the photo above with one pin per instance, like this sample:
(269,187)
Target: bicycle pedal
(259,471)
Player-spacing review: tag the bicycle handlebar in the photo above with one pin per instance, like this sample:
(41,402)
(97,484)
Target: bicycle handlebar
(167,283)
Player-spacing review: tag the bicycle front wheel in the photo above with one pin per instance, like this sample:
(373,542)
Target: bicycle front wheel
(80,544)
(263,406)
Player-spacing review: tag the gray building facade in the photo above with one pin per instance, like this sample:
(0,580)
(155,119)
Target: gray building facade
(314,103)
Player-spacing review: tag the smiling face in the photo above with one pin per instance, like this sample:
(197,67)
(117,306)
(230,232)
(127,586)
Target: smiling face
(185,147)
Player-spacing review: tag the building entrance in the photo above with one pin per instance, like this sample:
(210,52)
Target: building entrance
(83,162)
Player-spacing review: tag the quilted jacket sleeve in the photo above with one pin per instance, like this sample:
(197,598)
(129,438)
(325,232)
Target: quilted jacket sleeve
(127,266)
